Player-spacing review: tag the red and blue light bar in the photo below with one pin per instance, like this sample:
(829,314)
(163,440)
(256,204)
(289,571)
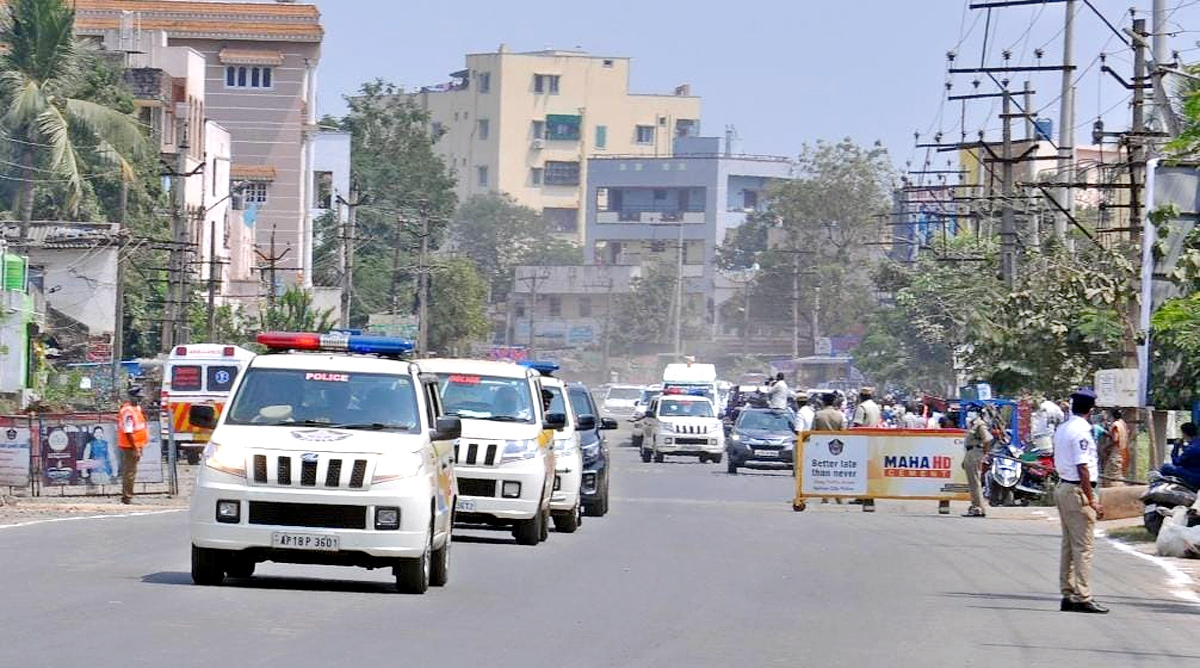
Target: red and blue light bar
(337,342)
(545,368)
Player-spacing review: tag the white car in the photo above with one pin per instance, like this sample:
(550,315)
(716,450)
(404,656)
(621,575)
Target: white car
(505,458)
(619,400)
(326,458)
(681,424)
(566,504)
(639,412)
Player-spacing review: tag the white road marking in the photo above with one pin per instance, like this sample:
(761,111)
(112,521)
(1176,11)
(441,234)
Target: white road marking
(1179,582)
(91,517)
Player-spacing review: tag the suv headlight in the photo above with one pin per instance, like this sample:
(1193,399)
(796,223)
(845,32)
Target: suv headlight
(515,451)
(564,447)
(226,458)
(396,467)
(591,451)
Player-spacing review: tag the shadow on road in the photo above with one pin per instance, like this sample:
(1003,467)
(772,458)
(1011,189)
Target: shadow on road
(1040,602)
(483,540)
(277,582)
(1095,650)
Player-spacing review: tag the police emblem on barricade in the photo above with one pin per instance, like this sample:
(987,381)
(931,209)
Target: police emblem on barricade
(836,446)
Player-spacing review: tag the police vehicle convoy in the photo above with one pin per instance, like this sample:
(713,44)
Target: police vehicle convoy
(682,424)
(332,450)
(505,459)
(566,504)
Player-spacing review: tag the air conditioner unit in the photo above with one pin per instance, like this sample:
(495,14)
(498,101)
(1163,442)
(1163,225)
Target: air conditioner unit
(539,144)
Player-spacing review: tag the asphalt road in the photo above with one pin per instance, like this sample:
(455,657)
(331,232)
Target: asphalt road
(692,567)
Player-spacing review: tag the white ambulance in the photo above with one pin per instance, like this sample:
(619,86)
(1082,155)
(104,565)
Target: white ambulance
(195,375)
(505,458)
(333,450)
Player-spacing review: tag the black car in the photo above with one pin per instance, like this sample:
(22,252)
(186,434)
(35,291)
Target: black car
(594,488)
(760,436)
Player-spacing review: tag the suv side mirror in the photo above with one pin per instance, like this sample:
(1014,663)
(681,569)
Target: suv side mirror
(586,423)
(447,428)
(204,417)
(555,421)
(608,423)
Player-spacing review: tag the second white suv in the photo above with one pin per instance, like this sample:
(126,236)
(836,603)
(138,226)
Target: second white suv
(681,424)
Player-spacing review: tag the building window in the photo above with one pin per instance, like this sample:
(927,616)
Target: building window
(323,190)
(545,83)
(436,129)
(241,76)
(535,176)
(608,62)
(562,220)
(658,246)
(538,128)
(562,173)
(485,81)
(750,200)
(601,136)
(255,192)
(585,307)
(644,134)
(484,129)
(481,173)
(519,310)
(555,306)
(561,127)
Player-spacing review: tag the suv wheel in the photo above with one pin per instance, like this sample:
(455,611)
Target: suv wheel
(413,575)
(439,571)
(658,458)
(646,455)
(208,566)
(569,521)
(529,532)
(730,466)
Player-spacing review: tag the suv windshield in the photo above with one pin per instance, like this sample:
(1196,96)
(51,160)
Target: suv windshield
(623,393)
(487,398)
(677,408)
(774,421)
(580,403)
(331,398)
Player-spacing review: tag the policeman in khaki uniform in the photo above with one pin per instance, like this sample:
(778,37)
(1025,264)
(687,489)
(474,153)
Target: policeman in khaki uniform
(132,435)
(979,437)
(1077,462)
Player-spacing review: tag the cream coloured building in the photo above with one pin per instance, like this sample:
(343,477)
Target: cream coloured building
(525,124)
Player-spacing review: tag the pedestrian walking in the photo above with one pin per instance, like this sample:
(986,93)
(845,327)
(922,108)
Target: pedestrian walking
(1118,449)
(1076,459)
(979,439)
(133,434)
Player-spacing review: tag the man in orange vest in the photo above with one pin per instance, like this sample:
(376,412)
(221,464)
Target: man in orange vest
(132,435)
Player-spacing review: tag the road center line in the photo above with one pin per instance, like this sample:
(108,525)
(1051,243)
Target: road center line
(92,517)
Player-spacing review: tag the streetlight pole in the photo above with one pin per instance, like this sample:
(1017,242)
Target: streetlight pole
(679,295)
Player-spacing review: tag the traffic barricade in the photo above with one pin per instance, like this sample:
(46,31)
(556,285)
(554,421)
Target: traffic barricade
(873,464)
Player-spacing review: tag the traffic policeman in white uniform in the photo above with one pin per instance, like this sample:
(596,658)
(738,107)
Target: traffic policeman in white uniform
(1077,462)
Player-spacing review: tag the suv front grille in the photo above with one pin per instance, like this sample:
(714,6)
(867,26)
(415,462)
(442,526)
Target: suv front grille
(476,487)
(291,470)
(477,454)
(308,515)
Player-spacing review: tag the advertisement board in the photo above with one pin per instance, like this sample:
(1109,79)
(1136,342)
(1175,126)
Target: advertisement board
(76,451)
(15,445)
(881,464)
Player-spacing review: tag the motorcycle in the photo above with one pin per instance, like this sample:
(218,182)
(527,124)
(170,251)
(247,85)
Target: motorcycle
(1163,495)
(1004,473)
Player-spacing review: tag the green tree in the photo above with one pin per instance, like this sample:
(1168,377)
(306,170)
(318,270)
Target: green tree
(42,68)
(499,234)
(645,314)
(395,168)
(458,299)
(293,311)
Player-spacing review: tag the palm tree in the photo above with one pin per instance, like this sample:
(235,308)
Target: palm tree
(41,62)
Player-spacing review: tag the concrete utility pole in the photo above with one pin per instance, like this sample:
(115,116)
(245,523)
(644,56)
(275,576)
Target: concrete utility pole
(1066,125)
(118,340)
(796,302)
(1158,52)
(177,266)
(211,325)
(423,285)
(271,261)
(534,280)
(346,230)
(1008,225)
(679,295)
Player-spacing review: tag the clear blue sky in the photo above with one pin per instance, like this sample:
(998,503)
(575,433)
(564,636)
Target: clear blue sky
(784,72)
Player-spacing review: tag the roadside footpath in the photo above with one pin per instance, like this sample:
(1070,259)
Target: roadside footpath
(22,509)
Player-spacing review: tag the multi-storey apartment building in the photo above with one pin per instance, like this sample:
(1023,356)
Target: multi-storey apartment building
(525,124)
(260,67)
